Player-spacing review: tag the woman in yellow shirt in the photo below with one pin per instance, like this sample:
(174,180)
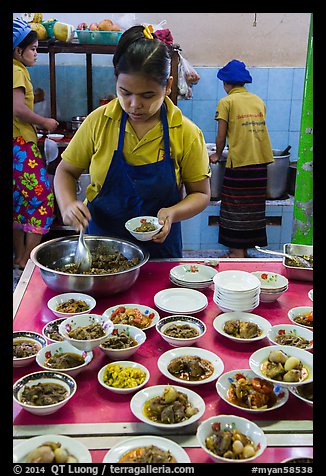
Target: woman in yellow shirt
(241,118)
(33,209)
(139,150)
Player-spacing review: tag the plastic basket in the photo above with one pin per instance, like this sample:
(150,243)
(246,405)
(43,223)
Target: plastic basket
(96,37)
(48,25)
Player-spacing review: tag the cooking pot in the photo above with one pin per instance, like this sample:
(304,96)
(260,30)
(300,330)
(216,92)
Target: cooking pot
(277,175)
(76,122)
(217,171)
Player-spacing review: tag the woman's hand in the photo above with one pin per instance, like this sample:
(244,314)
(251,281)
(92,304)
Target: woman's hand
(49,124)
(165,217)
(76,215)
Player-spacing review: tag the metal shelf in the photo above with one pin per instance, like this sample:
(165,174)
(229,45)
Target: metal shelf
(53,47)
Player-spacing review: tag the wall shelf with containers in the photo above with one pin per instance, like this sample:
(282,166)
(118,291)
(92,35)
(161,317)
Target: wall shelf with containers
(53,47)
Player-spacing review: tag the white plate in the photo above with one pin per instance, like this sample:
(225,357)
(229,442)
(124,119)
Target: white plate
(143,309)
(72,445)
(293,329)
(261,355)
(234,280)
(224,382)
(193,273)
(55,136)
(118,450)
(262,323)
(311,294)
(140,398)
(164,360)
(180,301)
(184,284)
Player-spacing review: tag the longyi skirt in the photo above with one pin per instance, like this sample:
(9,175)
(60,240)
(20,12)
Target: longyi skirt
(243,205)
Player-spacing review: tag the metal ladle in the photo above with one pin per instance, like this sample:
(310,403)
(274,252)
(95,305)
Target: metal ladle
(301,261)
(83,257)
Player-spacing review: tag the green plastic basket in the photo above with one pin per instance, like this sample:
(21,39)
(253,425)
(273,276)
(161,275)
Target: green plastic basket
(95,37)
(48,25)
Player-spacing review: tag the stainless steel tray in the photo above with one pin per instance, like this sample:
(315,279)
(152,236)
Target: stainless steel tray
(295,272)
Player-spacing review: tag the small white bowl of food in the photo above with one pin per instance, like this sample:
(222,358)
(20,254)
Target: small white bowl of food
(55,449)
(51,330)
(138,315)
(43,393)
(241,327)
(63,357)
(302,316)
(283,365)
(291,334)
(26,344)
(167,406)
(143,228)
(86,331)
(123,376)
(242,389)
(146,449)
(180,330)
(231,439)
(71,304)
(304,392)
(190,365)
(123,342)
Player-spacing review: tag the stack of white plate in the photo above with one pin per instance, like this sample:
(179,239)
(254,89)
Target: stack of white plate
(194,276)
(236,291)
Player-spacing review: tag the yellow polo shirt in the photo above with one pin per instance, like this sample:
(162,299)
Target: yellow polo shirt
(21,78)
(247,134)
(94,143)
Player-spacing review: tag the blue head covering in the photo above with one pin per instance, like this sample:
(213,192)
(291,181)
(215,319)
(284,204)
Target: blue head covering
(234,72)
(20,30)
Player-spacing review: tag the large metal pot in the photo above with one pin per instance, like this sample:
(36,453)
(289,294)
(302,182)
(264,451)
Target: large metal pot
(217,171)
(61,251)
(277,175)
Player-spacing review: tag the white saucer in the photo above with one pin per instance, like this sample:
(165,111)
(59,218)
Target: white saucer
(180,301)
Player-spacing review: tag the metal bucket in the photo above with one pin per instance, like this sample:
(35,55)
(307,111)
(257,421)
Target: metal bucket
(277,175)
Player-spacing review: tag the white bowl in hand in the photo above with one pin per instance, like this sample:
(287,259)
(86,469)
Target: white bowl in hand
(134,223)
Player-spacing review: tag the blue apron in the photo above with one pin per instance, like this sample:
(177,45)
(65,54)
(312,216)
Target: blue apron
(130,191)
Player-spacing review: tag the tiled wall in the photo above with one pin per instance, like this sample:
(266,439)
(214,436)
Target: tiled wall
(280,88)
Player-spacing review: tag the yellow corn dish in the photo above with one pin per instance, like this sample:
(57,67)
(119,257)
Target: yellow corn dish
(123,377)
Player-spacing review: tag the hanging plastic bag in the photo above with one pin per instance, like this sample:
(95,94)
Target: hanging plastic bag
(187,76)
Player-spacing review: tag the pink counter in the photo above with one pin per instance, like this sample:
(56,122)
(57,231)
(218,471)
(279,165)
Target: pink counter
(92,404)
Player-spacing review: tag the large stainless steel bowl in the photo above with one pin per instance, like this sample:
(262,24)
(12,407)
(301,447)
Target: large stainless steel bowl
(61,251)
